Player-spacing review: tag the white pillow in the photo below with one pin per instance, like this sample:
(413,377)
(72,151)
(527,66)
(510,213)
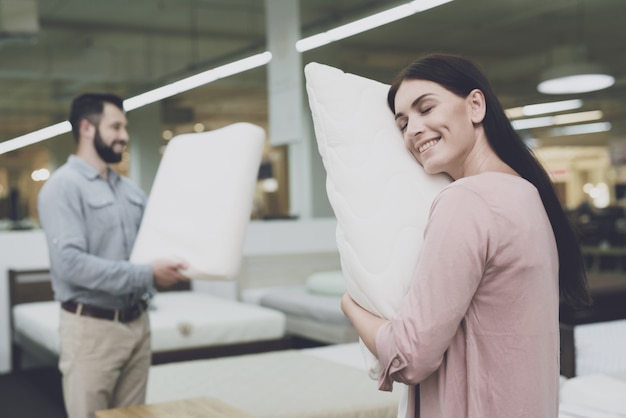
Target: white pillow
(380,195)
(201,199)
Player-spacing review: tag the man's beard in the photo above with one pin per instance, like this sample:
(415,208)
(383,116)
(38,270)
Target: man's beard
(105,152)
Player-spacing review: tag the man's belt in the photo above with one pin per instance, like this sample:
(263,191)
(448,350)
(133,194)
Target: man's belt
(121,315)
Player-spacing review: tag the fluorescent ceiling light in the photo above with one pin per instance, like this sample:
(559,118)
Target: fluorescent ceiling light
(552,107)
(578,117)
(146,98)
(34,137)
(236,67)
(197,80)
(543,121)
(522,124)
(543,108)
(367,23)
(587,128)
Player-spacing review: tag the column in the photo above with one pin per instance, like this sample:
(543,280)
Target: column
(144,129)
(286,96)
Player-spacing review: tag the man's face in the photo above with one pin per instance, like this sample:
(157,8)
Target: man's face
(111,137)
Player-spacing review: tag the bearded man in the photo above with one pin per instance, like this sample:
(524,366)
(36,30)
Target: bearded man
(91,216)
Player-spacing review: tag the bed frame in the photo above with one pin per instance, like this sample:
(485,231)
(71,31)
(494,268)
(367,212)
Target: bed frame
(608,291)
(34,286)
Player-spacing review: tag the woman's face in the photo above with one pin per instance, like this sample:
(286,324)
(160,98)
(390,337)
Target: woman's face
(437,125)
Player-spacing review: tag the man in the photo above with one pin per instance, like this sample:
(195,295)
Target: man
(91,217)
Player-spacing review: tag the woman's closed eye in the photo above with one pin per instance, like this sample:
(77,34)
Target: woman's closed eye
(402,122)
(425,110)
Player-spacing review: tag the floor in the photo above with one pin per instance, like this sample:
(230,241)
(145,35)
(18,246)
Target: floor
(31,394)
(36,392)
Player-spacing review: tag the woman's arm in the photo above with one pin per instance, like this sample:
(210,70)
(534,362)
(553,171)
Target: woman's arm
(366,323)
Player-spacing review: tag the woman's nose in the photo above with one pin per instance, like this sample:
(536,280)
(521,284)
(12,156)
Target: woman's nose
(414,127)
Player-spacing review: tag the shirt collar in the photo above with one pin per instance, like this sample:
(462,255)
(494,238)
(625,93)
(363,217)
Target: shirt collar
(88,171)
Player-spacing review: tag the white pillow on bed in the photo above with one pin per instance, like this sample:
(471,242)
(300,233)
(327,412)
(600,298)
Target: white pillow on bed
(380,195)
(201,199)
(329,283)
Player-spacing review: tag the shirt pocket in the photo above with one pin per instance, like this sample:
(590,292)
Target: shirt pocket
(136,207)
(101,214)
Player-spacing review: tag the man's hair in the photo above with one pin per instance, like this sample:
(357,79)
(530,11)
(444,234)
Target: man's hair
(90,106)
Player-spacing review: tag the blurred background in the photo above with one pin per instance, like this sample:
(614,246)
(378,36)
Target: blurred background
(52,50)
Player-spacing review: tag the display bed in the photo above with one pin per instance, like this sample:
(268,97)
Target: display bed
(331,382)
(324,382)
(313,309)
(594,396)
(310,315)
(593,338)
(185,324)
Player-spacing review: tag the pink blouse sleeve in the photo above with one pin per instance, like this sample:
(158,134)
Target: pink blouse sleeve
(458,241)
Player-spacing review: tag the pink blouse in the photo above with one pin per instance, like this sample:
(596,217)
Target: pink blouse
(479,327)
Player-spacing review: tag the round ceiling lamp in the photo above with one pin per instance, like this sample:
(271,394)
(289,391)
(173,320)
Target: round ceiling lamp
(574,78)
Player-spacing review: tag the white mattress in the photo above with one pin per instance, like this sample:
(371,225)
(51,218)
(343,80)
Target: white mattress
(39,321)
(328,382)
(594,396)
(178,320)
(310,315)
(298,301)
(201,200)
(600,347)
(194,319)
(380,195)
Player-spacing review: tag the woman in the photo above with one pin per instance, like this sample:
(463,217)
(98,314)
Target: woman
(478,330)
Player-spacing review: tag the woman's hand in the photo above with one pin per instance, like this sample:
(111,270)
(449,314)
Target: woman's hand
(365,323)
(347,304)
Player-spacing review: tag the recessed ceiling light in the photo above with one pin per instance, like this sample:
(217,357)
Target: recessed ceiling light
(574,78)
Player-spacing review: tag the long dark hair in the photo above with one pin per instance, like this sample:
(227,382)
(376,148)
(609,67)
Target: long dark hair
(460,76)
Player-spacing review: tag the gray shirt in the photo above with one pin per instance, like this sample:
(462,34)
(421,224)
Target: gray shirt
(91,225)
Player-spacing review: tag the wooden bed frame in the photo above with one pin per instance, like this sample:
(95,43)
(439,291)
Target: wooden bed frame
(34,286)
(608,291)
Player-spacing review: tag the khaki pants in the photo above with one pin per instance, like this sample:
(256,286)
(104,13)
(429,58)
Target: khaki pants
(104,363)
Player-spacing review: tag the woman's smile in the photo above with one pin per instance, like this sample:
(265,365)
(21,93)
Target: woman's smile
(428,145)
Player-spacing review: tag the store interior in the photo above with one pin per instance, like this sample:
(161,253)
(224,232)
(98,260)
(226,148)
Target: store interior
(52,51)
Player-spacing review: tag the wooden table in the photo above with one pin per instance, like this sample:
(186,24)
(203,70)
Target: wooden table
(188,408)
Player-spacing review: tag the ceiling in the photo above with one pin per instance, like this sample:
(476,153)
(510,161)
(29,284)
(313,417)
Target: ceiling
(131,46)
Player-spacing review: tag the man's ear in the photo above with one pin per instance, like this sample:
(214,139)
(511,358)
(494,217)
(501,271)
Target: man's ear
(87,129)
(478,107)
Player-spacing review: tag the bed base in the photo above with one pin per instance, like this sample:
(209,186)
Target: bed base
(608,291)
(35,286)
(286,343)
(25,348)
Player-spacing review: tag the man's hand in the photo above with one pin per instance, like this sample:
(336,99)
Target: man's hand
(167,272)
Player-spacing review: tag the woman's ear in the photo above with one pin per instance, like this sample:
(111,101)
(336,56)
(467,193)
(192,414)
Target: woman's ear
(478,107)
